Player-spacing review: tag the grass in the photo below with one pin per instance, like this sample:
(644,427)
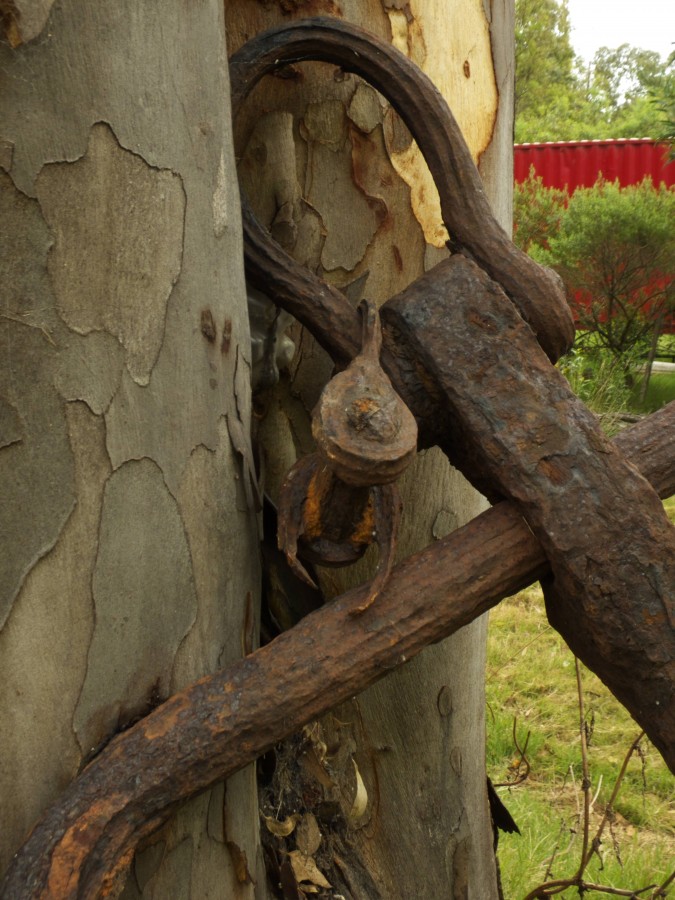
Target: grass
(660,391)
(598,378)
(531,681)
(532,693)
(669,506)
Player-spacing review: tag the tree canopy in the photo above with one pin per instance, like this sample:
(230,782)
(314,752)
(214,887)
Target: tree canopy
(623,92)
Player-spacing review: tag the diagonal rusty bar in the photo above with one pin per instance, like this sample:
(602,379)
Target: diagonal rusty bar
(84,844)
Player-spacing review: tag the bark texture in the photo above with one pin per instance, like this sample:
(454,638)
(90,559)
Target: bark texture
(331,171)
(128,565)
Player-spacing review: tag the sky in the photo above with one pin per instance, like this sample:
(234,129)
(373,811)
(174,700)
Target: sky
(647,24)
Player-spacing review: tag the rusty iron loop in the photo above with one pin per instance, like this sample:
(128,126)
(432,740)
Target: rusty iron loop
(536,291)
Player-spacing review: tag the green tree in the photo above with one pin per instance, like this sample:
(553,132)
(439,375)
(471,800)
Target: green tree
(624,91)
(663,98)
(615,250)
(621,86)
(547,89)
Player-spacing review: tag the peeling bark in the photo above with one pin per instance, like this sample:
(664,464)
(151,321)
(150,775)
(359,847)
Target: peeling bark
(122,486)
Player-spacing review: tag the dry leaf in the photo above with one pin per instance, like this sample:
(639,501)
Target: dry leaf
(281,829)
(308,835)
(309,889)
(360,798)
(312,733)
(305,869)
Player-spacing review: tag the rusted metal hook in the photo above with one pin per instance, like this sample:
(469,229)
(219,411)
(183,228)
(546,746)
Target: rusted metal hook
(338,501)
(536,291)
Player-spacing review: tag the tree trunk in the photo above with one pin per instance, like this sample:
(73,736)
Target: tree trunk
(125,407)
(332,173)
(129,562)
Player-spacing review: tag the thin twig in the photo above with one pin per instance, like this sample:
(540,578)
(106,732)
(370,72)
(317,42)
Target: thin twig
(520,776)
(609,808)
(619,892)
(586,780)
(549,867)
(550,888)
(661,889)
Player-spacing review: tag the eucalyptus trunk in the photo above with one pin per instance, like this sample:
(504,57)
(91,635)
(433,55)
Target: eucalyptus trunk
(129,561)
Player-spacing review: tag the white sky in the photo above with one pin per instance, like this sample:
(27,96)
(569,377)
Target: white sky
(647,24)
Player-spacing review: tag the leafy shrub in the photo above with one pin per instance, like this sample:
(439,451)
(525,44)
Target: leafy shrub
(614,248)
(537,212)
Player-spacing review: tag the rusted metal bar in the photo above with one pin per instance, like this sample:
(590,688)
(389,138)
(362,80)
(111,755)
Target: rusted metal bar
(518,426)
(537,292)
(84,843)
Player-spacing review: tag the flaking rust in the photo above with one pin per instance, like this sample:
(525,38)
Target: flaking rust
(338,501)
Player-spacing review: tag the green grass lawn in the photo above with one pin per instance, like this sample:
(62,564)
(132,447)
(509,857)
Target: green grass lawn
(669,506)
(531,685)
(660,391)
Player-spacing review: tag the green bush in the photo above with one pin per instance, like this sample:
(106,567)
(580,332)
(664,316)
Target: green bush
(537,213)
(614,248)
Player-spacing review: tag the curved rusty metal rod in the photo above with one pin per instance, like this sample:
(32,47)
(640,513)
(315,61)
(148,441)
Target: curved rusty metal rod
(537,292)
(83,845)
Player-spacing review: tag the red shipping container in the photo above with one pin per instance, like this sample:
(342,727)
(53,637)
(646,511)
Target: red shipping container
(578,163)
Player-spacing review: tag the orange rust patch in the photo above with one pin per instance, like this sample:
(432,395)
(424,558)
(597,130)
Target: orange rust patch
(365,529)
(156,726)
(70,853)
(311,513)
(113,881)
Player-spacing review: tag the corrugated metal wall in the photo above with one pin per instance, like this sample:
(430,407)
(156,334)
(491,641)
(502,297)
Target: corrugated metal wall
(578,163)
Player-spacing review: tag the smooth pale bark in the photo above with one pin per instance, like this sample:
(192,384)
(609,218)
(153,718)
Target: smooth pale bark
(124,410)
(332,173)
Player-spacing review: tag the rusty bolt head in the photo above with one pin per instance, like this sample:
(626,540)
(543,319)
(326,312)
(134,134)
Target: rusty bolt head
(361,425)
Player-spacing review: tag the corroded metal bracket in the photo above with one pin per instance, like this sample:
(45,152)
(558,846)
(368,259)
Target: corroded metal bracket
(338,501)
(473,368)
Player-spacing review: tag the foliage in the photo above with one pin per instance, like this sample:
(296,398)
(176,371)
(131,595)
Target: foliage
(619,85)
(624,92)
(537,212)
(615,251)
(598,379)
(663,98)
(545,91)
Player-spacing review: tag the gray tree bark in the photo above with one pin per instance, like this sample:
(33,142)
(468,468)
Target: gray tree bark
(129,562)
